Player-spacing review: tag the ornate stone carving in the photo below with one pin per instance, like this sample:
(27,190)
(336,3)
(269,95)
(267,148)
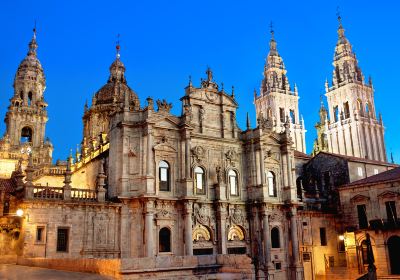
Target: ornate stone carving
(163,105)
(231,157)
(202,215)
(264,123)
(235,233)
(201,233)
(237,217)
(276,216)
(198,153)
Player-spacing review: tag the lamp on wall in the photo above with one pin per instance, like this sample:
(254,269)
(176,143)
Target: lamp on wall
(341,237)
(20,212)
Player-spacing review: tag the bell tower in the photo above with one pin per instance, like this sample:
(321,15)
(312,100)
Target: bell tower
(26,117)
(277,101)
(353,128)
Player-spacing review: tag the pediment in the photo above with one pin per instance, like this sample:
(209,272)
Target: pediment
(359,198)
(166,122)
(388,194)
(163,147)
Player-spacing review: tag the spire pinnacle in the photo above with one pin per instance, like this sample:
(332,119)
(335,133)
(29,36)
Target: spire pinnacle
(118,47)
(272,42)
(340,29)
(32,44)
(271,30)
(209,74)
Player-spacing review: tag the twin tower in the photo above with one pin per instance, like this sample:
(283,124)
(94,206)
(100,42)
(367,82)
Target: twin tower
(348,127)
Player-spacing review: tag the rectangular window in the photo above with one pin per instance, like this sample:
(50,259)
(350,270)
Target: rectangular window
(322,236)
(232,181)
(199,181)
(39,234)
(62,240)
(359,171)
(341,245)
(391,213)
(163,175)
(362,216)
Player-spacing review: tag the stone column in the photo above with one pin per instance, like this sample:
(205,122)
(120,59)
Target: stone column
(221,225)
(187,155)
(149,228)
(294,237)
(188,228)
(150,158)
(267,239)
(125,230)
(262,166)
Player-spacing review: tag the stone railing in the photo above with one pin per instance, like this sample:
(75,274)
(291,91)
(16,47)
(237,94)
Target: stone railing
(61,193)
(83,195)
(40,192)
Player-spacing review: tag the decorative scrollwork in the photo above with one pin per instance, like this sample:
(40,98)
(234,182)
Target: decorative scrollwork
(200,233)
(235,233)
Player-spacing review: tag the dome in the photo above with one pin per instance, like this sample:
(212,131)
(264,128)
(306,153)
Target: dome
(114,91)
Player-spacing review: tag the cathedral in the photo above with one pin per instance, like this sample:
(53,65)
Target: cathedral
(154,195)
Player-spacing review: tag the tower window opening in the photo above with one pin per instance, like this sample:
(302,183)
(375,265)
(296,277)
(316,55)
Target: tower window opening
(26,135)
(336,113)
(346,110)
(292,116)
(282,114)
(367,109)
(21,95)
(29,98)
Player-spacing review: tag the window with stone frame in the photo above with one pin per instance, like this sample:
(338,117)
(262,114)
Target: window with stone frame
(292,116)
(199,180)
(271,181)
(275,238)
(362,216)
(282,115)
(391,212)
(336,113)
(164,176)
(164,240)
(62,239)
(346,109)
(40,234)
(233,183)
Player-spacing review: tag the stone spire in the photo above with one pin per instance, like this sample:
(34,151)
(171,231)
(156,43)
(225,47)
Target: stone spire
(345,63)
(275,78)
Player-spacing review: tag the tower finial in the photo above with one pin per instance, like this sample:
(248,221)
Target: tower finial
(271,29)
(339,17)
(118,47)
(34,30)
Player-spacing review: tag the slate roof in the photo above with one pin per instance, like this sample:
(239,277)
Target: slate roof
(357,159)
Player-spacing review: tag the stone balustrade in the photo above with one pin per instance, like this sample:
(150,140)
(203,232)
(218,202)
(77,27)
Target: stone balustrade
(60,193)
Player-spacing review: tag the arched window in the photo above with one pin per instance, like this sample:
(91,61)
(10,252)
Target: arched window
(233,182)
(275,239)
(271,184)
(336,113)
(269,114)
(164,240)
(21,95)
(367,109)
(199,180)
(26,135)
(163,174)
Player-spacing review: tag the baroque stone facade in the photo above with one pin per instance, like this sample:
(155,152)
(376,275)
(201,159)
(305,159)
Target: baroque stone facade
(152,194)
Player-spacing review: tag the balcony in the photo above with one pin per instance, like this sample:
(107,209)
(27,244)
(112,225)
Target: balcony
(384,224)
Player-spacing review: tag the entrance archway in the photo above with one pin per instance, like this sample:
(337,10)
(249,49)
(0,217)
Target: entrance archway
(393,244)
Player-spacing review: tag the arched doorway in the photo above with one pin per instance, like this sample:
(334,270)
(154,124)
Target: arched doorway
(164,240)
(393,244)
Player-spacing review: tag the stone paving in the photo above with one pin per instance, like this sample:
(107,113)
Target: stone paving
(19,272)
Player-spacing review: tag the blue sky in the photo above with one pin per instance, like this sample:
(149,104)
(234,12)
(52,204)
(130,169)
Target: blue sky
(163,42)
